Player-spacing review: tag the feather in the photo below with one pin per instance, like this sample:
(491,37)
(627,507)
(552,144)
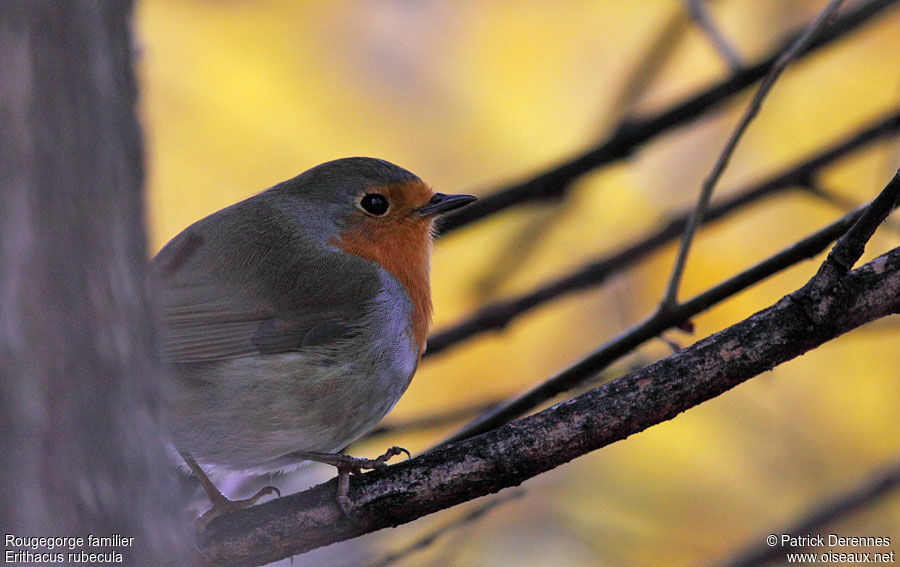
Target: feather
(283,289)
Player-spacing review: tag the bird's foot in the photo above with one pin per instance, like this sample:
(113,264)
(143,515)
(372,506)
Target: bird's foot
(221,504)
(355,465)
(346,465)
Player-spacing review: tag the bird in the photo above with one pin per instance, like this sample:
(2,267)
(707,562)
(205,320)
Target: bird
(295,319)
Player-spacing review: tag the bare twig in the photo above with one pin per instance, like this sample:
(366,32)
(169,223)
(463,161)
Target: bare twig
(670,298)
(497,315)
(554,182)
(841,202)
(428,539)
(653,60)
(858,498)
(701,16)
(852,245)
(651,327)
(862,225)
(507,456)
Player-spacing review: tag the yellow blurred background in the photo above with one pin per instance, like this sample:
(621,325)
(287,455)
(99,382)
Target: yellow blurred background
(237,96)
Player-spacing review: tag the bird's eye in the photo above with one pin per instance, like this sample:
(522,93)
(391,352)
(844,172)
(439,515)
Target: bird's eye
(374,204)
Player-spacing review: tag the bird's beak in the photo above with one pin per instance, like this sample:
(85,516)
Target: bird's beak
(441,203)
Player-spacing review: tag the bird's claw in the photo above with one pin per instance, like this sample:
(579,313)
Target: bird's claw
(347,465)
(361,464)
(224,505)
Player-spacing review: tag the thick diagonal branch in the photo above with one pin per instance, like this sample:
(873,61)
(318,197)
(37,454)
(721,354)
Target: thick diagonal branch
(525,448)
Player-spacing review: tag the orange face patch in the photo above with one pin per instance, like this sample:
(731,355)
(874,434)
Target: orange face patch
(400,241)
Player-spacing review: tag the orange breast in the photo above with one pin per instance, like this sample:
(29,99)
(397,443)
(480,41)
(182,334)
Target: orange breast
(403,247)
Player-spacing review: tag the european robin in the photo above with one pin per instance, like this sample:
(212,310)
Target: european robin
(296,319)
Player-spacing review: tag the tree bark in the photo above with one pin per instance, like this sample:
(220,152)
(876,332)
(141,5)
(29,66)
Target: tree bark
(80,401)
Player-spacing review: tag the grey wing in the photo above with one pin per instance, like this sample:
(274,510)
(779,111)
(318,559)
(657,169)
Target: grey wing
(269,291)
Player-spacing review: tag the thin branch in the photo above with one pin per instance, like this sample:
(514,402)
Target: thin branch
(841,202)
(850,248)
(555,182)
(670,298)
(516,452)
(857,498)
(652,61)
(497,315)
(652,327)
(862,225)
(701,16)
(432,536)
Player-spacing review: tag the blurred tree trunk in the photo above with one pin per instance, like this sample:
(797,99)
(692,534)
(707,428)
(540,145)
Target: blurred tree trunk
(80,401)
